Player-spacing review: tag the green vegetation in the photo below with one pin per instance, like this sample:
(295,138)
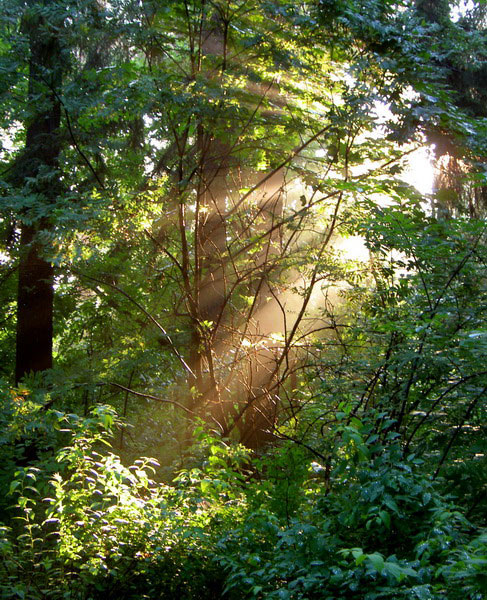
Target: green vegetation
(182,184)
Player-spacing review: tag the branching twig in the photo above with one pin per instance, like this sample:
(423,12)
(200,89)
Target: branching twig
(151,397)
(146,313)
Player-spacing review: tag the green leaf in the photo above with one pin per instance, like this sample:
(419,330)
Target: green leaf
(385,518)
(206,486)
(377,561)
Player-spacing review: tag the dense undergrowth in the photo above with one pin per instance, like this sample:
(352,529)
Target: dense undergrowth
(78,524)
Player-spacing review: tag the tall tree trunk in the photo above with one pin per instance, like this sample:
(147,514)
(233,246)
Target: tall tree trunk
(37,168)
(35,297)
(215,335)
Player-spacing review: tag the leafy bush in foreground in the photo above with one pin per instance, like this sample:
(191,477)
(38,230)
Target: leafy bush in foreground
(382,531)
(377,528)
(105,530)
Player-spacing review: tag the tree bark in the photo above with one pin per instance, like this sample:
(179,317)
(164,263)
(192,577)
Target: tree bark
(36,171)
(35,298)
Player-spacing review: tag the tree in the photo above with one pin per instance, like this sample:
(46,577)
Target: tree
(232,131)
(220,244)
(212,181)
(37,172)
(51,169)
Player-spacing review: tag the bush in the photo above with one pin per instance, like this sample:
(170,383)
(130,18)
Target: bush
(374,526)
(383,530)
(105,530)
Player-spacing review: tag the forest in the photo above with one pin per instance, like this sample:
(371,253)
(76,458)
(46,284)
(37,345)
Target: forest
(243,342)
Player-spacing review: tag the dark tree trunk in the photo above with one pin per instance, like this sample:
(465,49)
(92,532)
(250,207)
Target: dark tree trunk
(37,172)
(34,308)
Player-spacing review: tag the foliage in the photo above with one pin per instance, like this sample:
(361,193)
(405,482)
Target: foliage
(377,527)
(317,422)
(105,530)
